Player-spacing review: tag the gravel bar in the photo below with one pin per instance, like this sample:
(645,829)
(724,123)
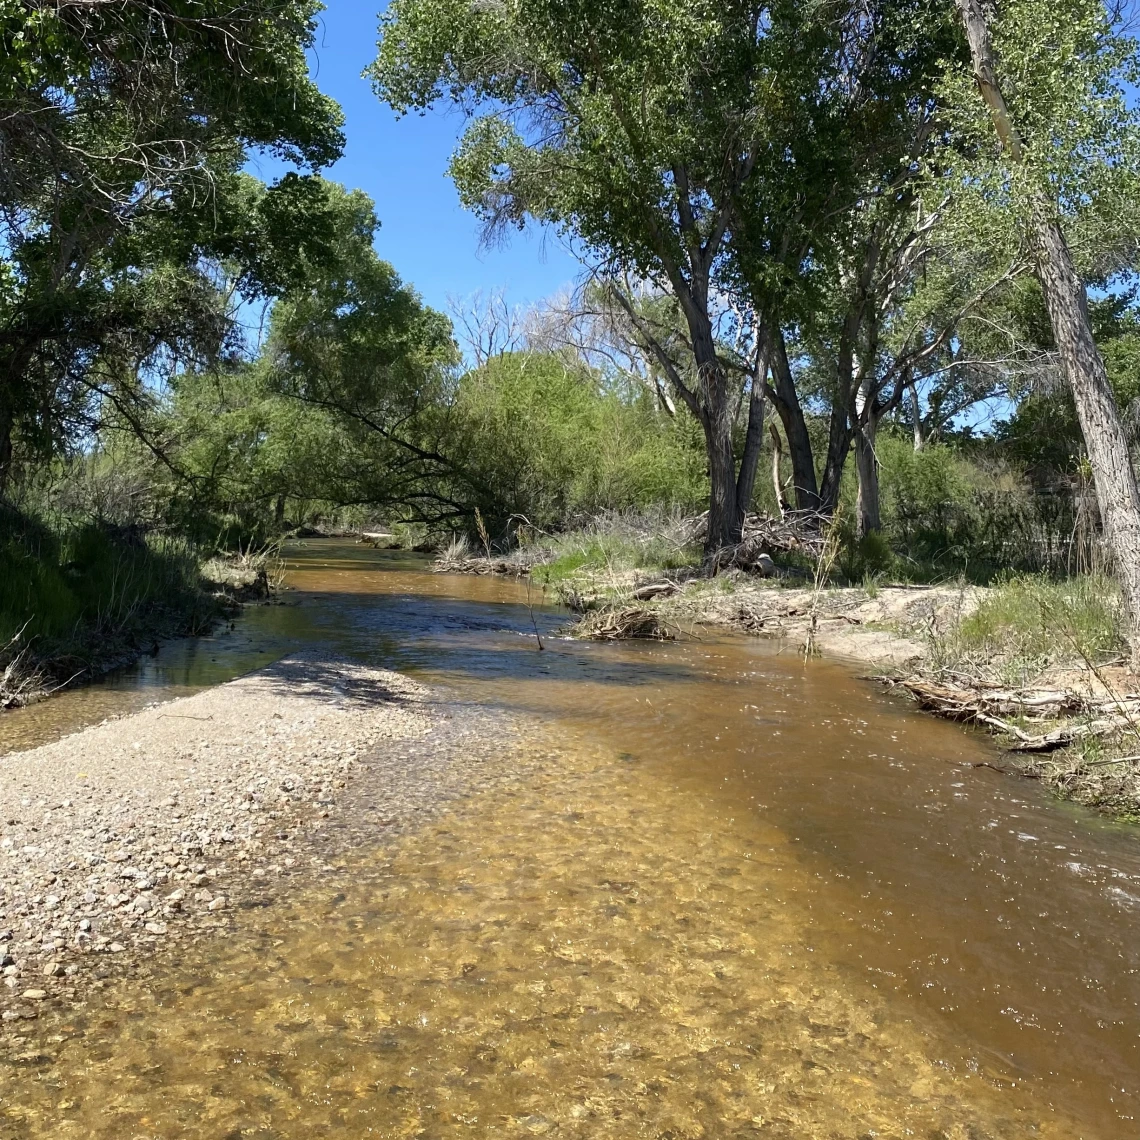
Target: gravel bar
(155,827)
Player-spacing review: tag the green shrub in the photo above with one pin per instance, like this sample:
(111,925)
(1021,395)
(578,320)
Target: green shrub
(547,440)
(1035,618)
(951,509)
(863,558)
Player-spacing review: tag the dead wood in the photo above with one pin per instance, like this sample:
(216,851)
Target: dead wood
(798,532)
(508,567)
(656,590)
(631,623)
(978,704)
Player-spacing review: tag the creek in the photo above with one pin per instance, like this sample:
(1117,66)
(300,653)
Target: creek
(745,895)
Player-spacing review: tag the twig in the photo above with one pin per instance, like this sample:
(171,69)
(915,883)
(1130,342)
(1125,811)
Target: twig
(530,610)
(1003,726)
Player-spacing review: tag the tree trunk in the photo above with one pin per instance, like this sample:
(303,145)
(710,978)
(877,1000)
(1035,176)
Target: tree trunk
(754,436)
(866,423)
(1067,302)
(868,516)
(279,512)
(777,483)
(791,413)
(1105,440)
(5,449)
(725,524)
(838,445)
(750,460)
(916,417)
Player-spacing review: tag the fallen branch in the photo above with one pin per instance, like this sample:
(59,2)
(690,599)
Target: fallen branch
(623,625)
(1070,734)
(656,590)
(977,705)
(509,567)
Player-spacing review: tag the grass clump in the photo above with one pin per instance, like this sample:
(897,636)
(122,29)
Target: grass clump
(77,596)
(1036,617)
(620,543)
(1027,624)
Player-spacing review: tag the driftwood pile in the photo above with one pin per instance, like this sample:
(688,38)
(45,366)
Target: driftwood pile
(1084,717)
(511,567)
(628,623)
(764,535)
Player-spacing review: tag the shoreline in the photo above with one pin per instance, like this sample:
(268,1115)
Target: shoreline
(41,676)
(151,830)
(1074,725)
(1063,729)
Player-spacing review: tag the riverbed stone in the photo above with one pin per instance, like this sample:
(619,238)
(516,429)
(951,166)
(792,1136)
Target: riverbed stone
(109,875)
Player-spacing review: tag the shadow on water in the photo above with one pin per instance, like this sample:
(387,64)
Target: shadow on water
(1001,921)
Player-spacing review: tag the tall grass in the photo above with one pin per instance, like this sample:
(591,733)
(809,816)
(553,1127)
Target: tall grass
(69,583)
(617,542)
(1028,623)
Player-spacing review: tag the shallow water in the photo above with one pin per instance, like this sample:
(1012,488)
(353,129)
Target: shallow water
(741,895)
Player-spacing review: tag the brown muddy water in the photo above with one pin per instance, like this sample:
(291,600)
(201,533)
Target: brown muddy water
(738,895)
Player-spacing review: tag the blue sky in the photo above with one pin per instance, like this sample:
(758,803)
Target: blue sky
(402,164)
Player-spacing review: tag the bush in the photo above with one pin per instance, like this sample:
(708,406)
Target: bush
(948,511)
(860,558)
(546,440)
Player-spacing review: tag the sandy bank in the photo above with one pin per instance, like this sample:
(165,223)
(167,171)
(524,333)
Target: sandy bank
(145,830)
(888,628)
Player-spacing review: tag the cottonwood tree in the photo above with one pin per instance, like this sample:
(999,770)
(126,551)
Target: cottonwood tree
(486,324)
(651,132)
(123,127)
(358,343)
(903,297)
(593,325)
(1052,78)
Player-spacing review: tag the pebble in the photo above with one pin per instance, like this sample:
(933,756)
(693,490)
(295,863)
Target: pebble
(231,780)
(34,995)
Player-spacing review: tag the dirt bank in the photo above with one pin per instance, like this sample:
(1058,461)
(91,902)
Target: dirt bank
(151,829)
(31,670)
(888,628)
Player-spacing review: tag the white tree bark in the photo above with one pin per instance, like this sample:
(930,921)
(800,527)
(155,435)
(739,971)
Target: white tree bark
(868,516)
(916,417)
(1067,302)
